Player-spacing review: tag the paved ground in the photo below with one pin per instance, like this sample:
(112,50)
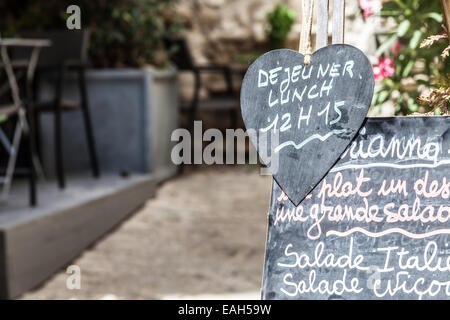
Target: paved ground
(203,236)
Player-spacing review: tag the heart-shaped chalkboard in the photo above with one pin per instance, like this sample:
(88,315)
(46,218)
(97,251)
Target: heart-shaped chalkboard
(305,116)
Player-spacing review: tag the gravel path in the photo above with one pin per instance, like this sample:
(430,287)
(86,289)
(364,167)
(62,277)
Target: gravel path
(202,236)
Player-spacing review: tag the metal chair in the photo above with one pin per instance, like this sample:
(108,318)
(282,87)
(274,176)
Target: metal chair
(228,101)
(67,53)
(11,147)
(17,110)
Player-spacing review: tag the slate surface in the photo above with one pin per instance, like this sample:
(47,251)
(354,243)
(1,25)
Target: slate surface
(316,109)
(403,166)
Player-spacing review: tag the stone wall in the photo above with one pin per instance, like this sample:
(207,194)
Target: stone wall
(225,31)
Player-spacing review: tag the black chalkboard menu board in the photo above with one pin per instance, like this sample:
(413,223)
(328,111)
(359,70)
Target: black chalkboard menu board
(377,225)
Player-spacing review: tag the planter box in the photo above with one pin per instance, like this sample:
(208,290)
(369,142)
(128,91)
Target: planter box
(133,113)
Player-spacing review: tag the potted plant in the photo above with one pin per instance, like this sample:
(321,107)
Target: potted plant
(279,24)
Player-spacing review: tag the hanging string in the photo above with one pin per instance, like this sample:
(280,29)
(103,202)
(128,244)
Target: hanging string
(305,37)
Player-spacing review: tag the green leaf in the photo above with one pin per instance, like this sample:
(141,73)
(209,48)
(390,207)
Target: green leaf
(408,68)
(415,39)
(388,13)
(412,105)
(386,45)
(3,118)
(376,109)
(401,4)
(383,96)
(378,87)
(435,16)
(374,100)
(403,28)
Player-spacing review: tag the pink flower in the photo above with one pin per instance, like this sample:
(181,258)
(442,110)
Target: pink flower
(384,69)
(387,66)
(377,73)
(367,7)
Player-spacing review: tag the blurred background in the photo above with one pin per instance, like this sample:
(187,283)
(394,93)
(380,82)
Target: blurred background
(91,93)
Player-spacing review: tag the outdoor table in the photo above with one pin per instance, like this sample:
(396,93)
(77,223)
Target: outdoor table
(17,107)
